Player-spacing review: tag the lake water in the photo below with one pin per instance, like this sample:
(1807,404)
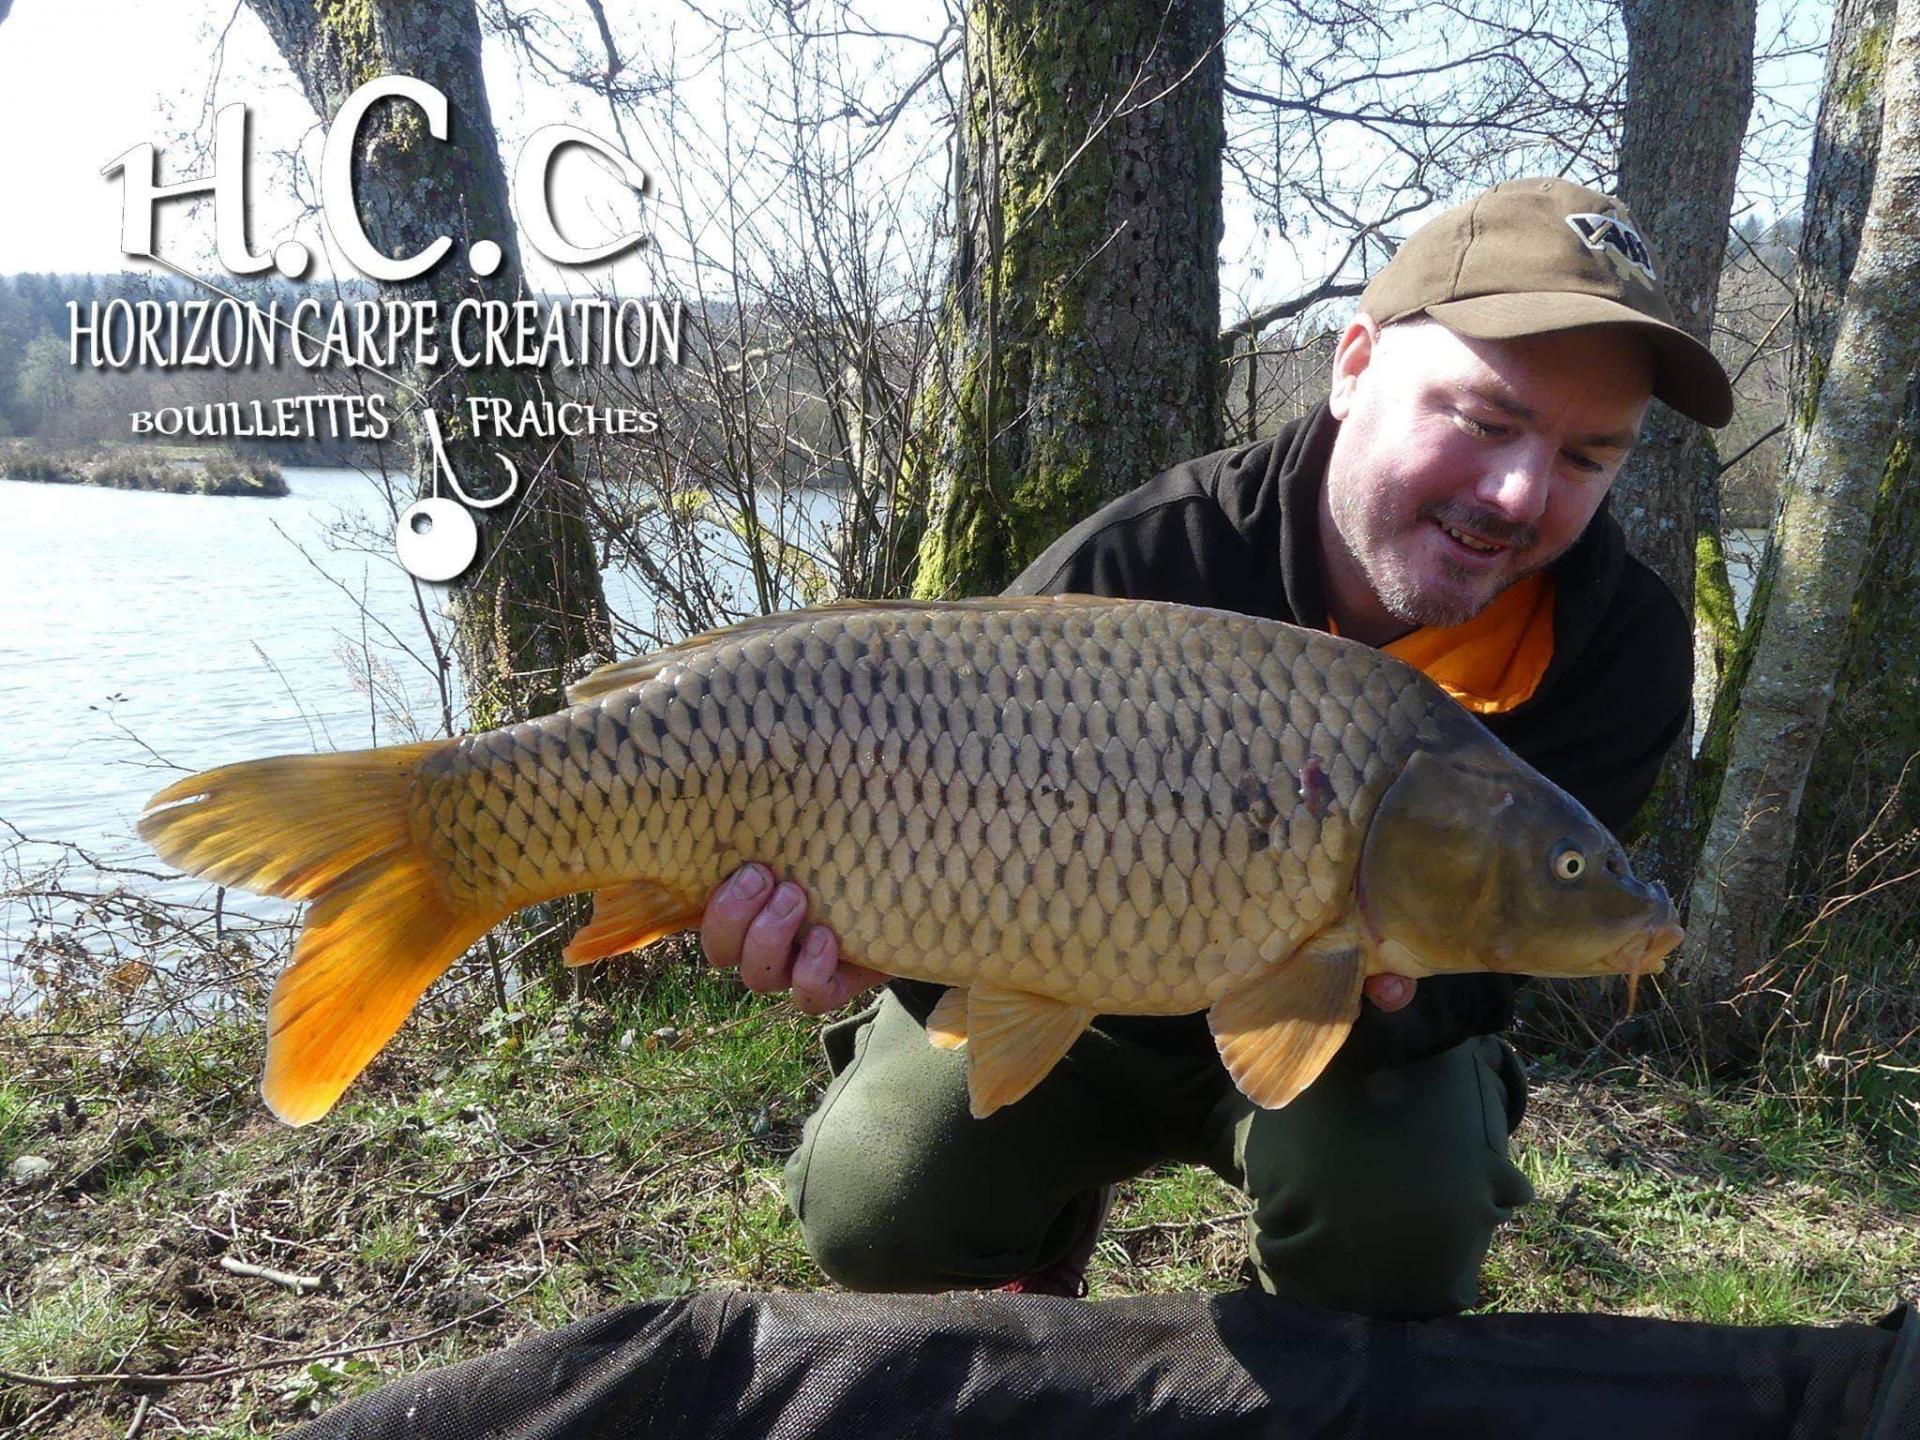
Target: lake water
(1743,554)
(144,636)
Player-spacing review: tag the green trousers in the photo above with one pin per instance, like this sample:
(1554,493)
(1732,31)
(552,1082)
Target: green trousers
(1375,1192)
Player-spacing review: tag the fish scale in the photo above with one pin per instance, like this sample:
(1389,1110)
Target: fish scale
(1145,784)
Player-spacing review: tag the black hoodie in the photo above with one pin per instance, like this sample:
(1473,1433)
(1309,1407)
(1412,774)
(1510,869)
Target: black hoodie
(1239,530)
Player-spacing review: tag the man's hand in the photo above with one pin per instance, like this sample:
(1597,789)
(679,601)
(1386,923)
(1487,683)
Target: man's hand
(752,924)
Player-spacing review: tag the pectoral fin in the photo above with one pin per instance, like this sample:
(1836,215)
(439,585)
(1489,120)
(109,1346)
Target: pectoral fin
(1277,1032)
(947,1024)
(625,917)
(1013,1039)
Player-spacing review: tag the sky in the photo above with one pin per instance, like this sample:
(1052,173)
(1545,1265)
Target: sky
(146,77)
(148,68)
(65,117)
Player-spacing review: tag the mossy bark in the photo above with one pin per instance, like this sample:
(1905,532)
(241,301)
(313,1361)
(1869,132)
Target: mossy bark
(1716,617)
(530,613)
(1081,348)
(1860,820)
(1716,623)
(1799,654)
(1689,72)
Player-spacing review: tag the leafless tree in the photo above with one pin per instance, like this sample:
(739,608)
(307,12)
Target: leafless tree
(1822,549)
(531,609)
(1689,72)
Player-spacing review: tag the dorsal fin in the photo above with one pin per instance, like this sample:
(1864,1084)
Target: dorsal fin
(619,674)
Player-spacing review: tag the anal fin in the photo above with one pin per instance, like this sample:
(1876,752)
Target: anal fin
(947,1023)
(625,917)
(1277,1032)
(1014,1038)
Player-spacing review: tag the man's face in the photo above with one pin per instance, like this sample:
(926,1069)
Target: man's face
(1463,465)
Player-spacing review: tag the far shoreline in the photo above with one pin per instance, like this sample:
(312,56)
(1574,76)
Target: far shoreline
(159,470)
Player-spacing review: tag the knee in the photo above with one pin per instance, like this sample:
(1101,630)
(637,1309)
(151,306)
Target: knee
(845,1245)
(862,1253)
(859,1227)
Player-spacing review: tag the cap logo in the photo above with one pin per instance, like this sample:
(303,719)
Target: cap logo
(1621,240)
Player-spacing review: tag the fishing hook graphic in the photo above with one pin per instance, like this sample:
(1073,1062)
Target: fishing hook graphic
(442,466)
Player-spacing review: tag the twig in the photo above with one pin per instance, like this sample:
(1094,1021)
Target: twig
(25,1427)
(299,1284)
(139,1416)
(1287,309)
(1198,1222)
(1728,465)
(1760,345)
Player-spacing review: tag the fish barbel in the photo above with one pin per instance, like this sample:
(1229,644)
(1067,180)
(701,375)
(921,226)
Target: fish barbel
(1059,806)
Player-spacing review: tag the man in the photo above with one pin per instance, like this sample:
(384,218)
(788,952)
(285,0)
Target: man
(1446,503)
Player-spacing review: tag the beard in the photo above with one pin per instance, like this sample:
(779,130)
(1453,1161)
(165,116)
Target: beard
(1418,600)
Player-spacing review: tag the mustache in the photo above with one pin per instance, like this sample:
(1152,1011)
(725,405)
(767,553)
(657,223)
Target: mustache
(1483,524)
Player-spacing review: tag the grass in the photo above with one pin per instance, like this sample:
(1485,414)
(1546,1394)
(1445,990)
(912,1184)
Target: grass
(16,1119)
(389,1246)
(497,1172)
(1662,1199)
(1177,1228)
(79,1325)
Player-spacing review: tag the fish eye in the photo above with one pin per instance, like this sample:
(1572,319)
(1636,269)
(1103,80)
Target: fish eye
(1569,863)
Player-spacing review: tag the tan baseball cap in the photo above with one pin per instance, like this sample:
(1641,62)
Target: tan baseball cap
(1538,256)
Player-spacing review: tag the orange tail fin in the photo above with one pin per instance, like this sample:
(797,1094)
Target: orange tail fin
(332,829)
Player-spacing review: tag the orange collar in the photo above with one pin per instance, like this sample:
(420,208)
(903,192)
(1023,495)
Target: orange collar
(1495,661)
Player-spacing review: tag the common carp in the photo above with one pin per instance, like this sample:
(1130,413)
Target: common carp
(1059,806)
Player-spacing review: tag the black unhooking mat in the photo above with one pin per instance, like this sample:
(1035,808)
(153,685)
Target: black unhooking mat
(932,1366)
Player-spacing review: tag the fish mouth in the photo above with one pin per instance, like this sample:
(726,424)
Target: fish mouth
(1661,942)
(1644,952)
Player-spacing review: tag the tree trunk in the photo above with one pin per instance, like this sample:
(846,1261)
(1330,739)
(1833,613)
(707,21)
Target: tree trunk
(1082,351)
(1716,618)
(530,610)
(1839,179)
(1860,821)
(1860,788)
(1849,447)
(1689,73)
